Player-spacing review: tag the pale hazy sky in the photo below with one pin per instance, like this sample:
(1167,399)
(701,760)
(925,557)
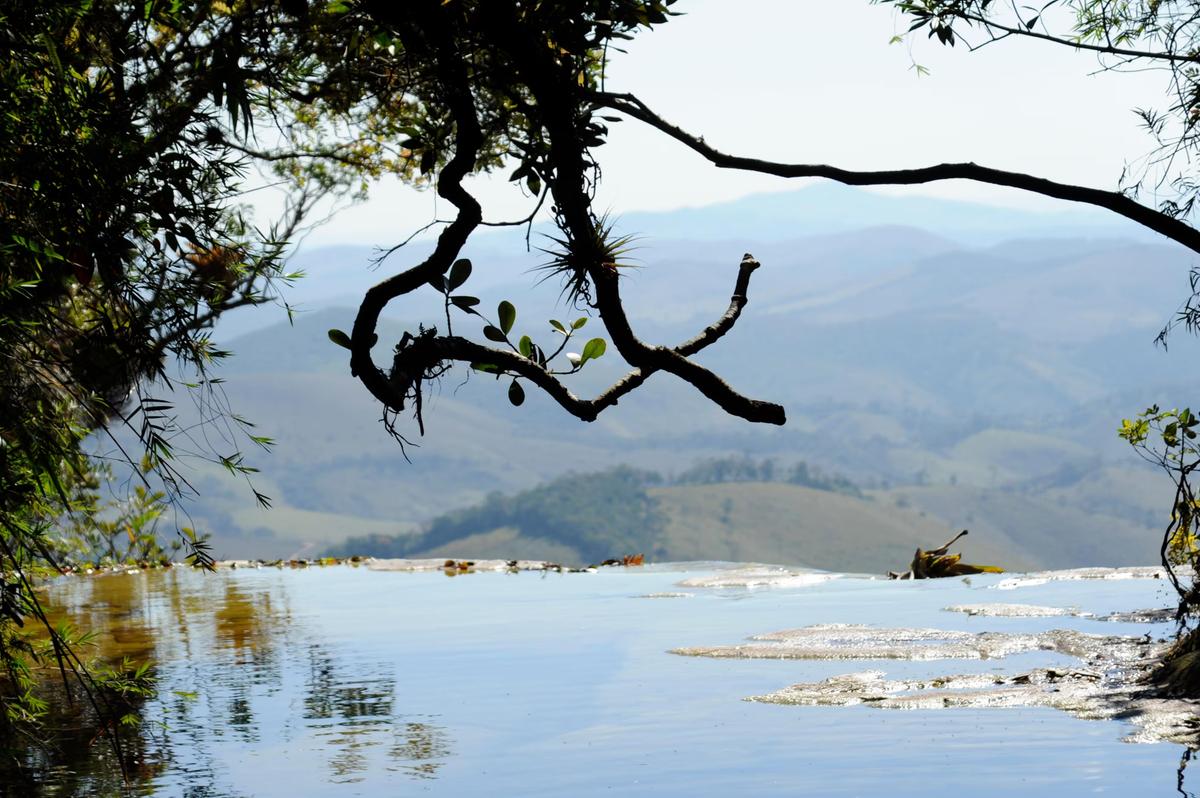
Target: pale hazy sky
(808,81)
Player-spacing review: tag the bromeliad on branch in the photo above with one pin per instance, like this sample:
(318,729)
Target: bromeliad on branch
(526,90)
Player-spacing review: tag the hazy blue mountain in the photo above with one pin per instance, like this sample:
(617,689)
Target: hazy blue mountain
(907,359)
(827,207)
(823,215)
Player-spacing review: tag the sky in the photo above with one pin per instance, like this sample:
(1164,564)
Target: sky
(807,81)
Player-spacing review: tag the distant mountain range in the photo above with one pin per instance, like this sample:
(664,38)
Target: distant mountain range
(824,523)
(338,275)
(977,365)
(826,207)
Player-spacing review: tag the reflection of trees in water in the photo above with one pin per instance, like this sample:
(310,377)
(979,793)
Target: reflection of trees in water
(178,620)
(355,713)
(345,712)
(78,754)
(1188,755)
(226,637)
(78,759)
(116,607)
(417,747)
(248,627)
(248,633)
(231,658)
(330,696)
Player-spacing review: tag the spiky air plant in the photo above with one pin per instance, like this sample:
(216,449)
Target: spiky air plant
(571,257)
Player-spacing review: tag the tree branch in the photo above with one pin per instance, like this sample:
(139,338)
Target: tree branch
(425,355)
(468,141)
(1116,202)
(1103,49)
(561,104)
(738,301)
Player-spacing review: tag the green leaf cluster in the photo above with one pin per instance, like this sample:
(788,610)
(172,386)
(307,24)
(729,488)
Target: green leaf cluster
(1168,439)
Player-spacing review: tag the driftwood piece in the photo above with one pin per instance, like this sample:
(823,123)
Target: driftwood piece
(939,564)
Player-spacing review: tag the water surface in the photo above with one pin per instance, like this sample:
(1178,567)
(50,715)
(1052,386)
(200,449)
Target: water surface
(345,681)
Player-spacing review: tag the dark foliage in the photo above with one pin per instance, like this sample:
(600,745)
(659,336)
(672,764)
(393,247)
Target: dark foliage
(602,515)
(746,469)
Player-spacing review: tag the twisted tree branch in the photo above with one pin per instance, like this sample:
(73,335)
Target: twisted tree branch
(562,105)
(561,111)
(468,141)
(426,353)
(1160,222)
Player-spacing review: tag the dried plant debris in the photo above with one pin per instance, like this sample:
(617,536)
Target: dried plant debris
(463,566)
(453,567)
(629,560)
(1017,611)
(759,576)
(939,563)
(853,641)
(233,565)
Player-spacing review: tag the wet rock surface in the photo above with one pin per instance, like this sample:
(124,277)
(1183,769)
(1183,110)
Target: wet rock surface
(858,642)
(1076,574)
(759,576)
(1161,615)
(1106,684)
(1093,693)
(1017,611)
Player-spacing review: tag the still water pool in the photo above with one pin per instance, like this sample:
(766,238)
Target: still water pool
(347,681)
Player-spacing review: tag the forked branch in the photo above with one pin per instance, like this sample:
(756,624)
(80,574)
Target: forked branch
(426,355)
(559,102)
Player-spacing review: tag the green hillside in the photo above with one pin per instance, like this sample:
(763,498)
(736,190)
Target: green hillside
(793,525)
(581,519)
(956,379)
(1043,529)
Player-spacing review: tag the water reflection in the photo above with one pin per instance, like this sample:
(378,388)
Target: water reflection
(353,713)
(339,683)
(1180,776)
(418,749)
(345,712)
(230,659)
